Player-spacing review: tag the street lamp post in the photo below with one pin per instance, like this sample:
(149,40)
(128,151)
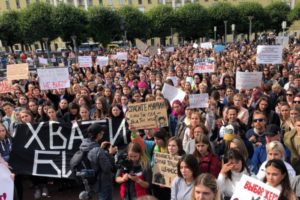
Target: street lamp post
(75,48)
(225,37)
(48,52)
(250,27)
(215,30)
(233,29)
(283,27)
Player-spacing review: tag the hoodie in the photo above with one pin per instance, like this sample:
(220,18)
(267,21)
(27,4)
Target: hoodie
(101,162)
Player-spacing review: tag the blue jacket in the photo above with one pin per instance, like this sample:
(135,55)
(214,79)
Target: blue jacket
(172,124)
(252,166)
(259,138)
(3,62)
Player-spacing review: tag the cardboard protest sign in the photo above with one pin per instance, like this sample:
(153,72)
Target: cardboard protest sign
(43,61)
(248,80)
(85,61)
(204,65)
(153,51)
(198,100)
(148,114)
(218,48)
(6,183)
(142,46)
(268,54)
(143,60)
(53,78)
(206,45)
(174,80)
(17,71)
(250,188)
(169,49)
(172,93)
(164,169)
(122,55)
(102,61)
(6,86)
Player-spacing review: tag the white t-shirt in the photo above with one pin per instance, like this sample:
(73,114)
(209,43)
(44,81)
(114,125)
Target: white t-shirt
(262,171)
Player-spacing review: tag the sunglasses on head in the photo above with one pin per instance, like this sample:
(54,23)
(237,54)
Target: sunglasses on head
(296,101)
(260,120)
(16,110)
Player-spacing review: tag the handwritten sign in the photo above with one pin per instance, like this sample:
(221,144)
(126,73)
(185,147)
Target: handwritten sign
(17,71)
(204,65)
(143,60)
(102,61)
(122,55)
(268,54)
(164,169)
(198,100)
(7,184)
(43,61)
(169,49)
(148,114)
(174,80)
(172,93)
(248,80)
(85,61)
(206,45)
(5,86)
(250,188)
(142,46)
(218,48)
(53,78)
(153,51)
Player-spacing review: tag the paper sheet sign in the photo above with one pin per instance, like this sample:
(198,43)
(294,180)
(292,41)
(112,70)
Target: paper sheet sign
(164,169)
(269,54)
(85,61)
(172,93)
(249,188)
(169,49)
(142,46)
(206,45)
(122,55)
(17,71)
(198,100)
(148,115)
(218,48)
(174,80)
(5,86)
(204,65)
(143,60)
(248,80)
(53,78)
(195,46)
(102,61)
(6,183)
(153,51)
(43,61)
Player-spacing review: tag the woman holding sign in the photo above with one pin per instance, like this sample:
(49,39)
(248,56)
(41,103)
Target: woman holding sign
(205,188)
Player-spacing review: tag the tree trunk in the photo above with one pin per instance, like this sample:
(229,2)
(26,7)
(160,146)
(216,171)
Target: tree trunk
(22,46)
(12,48)
(42,46)
(30,47)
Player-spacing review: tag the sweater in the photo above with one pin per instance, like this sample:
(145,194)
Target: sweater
(180,190)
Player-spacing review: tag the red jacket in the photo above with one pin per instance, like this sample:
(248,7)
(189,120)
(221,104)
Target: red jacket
(210,164)
(139,190)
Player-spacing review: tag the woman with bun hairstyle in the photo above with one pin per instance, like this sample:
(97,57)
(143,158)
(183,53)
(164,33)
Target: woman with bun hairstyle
(205,188)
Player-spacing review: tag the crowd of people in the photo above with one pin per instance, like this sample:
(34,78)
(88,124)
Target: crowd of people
(254,132)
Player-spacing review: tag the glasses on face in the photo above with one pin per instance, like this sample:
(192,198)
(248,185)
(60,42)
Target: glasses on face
(118,88)
(18,110)
(115,110)
(266,70)
(256,120)
(296,102)
(289,95)
(18,92)
(135,82)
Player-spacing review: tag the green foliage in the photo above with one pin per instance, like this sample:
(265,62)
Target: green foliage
(295,13)
(193,21)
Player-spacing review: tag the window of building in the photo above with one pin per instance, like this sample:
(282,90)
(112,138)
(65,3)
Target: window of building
(37,0)
(149,2)
(71,2)
(26,48)
(141,9)
(170,41)
(168,1)
(110,2)
(152,42)
(36,46)
(27,2)
(56,46)
(16,47)
(130,1)
(7,5)
(48,1)
(196,0)
(90,2)
(178,1)
(80,3)
(140,2)
(100,2)
(120,2)
(158,1)
(18,4)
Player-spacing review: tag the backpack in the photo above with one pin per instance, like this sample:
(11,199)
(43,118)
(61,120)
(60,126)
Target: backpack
(79,162)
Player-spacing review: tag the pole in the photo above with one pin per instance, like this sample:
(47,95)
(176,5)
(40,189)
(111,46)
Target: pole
(215,30)
(233,29)
(250,27)
(172,36)
(225,37)
(48,52)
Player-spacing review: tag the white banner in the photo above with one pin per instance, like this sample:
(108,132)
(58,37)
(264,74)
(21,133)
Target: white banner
(195,45)
(248,80)
(172,93)
(174,80)
(206,45)
(143,60)
(53,78)
(6,184)
(43,61)
(85,61)
(169,49)
(122,55)
(269,54)
(102,61)
(198,100)
(250,188)
(204,65)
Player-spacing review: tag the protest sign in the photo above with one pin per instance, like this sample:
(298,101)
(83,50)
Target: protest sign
(218,48)
(142,46)
(195,45)
(53,60)
(6,184)
(158,51)
(5,86)
(268,54)
(153,51)
(122,55)
(285,42)
(53,78)
(43,61)
(174,80)
(248,80)
(206,45)
(172,93)
(190,80)
(198,100)
(46,148)
(204,65)
(17,71)
(169,49)
(164,169)
(250,188)
(148,115)
(102,61)
(85,61)
(143,60)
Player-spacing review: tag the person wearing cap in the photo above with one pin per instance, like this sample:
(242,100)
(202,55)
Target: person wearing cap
(101,162)
(143,90)
(272,133)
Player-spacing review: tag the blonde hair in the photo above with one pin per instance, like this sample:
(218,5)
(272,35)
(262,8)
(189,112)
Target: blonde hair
(276,86)
(13,117)
(278,146)
(136,148)
(209,181)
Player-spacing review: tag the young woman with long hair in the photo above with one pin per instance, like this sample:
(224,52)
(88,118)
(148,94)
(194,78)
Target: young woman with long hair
(196,119)
(84,113)
(5,142)
(206,188)
(51,112)
(23,102)
(101,109)
(73,114)
(116,111)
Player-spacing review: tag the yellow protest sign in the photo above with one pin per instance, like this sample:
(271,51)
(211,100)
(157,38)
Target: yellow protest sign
(17,71)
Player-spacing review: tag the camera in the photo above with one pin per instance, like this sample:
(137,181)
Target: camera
(125,164)
(86,176)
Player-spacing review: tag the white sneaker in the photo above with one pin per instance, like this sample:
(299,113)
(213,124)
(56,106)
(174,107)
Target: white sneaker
(45,192)
(37,194)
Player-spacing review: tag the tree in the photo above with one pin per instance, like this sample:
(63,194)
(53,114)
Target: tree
(161,21)
(135,23)
(9,27)
(277,12)
(221,12)
(71,21)
(37,22)
(193,21)
(104,24)
(295,13)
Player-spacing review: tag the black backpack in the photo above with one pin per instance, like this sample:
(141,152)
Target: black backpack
(80,162)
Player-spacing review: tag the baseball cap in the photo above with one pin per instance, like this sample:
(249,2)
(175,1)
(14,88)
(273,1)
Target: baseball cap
(272,130)
(96,128)
(230,131)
